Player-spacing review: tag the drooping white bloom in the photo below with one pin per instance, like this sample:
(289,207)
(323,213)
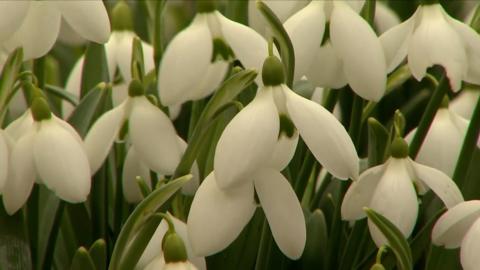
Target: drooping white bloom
(460,227)
(50,151)
(432,37)
(35,25)
(5,148)
(443,143)
(465,102)
(150,131)
(352,55)
(196,60)
(153,252)
(389,189)
(217,216)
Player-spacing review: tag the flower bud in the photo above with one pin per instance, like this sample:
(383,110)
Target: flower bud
(135,89)
(40,109)
(273,72)
(122,17)
(399,148)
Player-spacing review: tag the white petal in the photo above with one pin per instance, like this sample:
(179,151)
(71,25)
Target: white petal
(73,86)
(248,46)
(154,137)
(395,198)
(395,42)
(360,193)
(283,212)
(248,141)
(217,217)
(38,32)
(442,144)
(358,46)
(464,103)
(119,93)
(300,26)
(471,41)
(102,134)
(20,126)
(470,247)
(61,162)
(132,168)
(4,157)
(327,69)
(12,14)
(21,175)
(385,17)
(436,42)
(324,135)
(185,61)
(157,263)
(283,152)
(214,75)
(440,183)
(451,227)
(69,37)
(87,18)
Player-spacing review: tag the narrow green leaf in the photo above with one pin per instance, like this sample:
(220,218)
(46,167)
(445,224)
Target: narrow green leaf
(158,27)
(368,11)
(61,93)
(95,68)
(82,260)
(475,23)
(282,40)
(7,79)
(141,214)
(396,240)
(378,140)
(87,110)
(316,245)
(98,253)
(138,244)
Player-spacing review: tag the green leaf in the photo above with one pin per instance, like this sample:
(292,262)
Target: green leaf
(82,260)
(139,243)
(282,40)
(378,140)
(61,93)
(95,68)
(137,65)
(316,244)
(14,246)
(396,240)
(398,78)
(141,214)
(475,24)
(98,253)
(7,79)
(224,95)
(88,110)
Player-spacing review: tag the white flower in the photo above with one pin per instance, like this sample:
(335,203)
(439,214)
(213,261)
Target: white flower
(6,145)
(352,55)
(151,133)
(460,227)
(431,37)
(389,189)
(193,65)
(35,25)
(50,151)
(218,216)
(153,252)
(444,140)
(465,102)
(248,141)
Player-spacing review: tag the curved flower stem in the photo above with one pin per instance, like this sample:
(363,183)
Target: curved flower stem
(52,238)
(468,148)
(428,115)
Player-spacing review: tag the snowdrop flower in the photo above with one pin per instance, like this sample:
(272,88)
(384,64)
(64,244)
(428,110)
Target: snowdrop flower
(460,227)
(153,251)
(51,152)
(35,25)
(431,37)
(353,54)
(250,138)
(196,60)
(5,149)
(465,102)
(389,189)
(151,133)
(443,143)
(118,51)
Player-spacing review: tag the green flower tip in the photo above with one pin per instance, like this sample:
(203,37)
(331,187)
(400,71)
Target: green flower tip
(135,89)
(273,72)
(122,18)
(399,148)
(40,109)
(445,102)
(377,266)
(173,248)
(206,6)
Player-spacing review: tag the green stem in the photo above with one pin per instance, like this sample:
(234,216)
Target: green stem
(468,148)
(355,120)
(429,115)
(323,187)
(264,248)
(52,238)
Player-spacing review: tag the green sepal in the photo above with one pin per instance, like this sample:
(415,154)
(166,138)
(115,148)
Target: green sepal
(173,248)
(206,6)
(273,72)
(40,109)
(122,19)
(135,89)
(399,148)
